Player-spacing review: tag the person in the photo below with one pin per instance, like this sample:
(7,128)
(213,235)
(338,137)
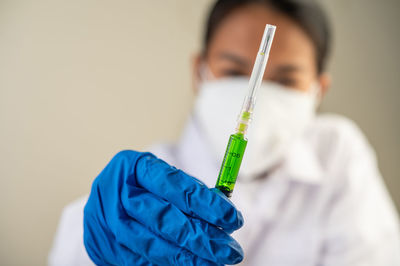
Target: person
(309,191)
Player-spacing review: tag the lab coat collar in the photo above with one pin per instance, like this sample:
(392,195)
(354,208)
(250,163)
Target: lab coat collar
(300,165)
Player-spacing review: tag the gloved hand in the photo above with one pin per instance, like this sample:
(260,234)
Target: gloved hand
(142,211)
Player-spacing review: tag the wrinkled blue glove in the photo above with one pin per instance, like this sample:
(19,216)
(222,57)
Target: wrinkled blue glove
(142,211)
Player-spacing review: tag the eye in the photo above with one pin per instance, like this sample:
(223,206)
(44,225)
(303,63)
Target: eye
(232,73)
(287,82)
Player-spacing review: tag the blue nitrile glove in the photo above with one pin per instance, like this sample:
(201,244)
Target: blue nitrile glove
(142,211)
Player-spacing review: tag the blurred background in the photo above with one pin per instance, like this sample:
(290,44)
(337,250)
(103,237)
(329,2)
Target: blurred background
(82,80)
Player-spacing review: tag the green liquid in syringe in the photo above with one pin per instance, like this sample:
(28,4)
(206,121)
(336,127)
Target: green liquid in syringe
(231,163)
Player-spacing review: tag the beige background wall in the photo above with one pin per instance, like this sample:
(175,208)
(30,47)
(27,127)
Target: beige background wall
(81,80)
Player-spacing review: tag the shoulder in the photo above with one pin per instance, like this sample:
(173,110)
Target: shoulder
(339,125)
(338,128)
(68,248)
(338,137)
(72,215)
(75,207)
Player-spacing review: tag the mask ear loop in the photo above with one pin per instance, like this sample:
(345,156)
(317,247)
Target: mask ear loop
(205,72)
(204,75)
(315,91)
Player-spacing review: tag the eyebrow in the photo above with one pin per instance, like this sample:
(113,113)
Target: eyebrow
(284,69)
(234,58)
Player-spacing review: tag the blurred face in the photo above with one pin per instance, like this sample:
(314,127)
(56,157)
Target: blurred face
(235,43)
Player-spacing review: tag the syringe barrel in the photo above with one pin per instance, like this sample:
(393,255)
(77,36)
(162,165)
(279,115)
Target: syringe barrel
(231,164)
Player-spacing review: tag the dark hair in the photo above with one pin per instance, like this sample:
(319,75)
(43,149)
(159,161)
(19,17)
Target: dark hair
(306,13)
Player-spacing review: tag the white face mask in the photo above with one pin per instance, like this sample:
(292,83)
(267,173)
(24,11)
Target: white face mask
(280,116)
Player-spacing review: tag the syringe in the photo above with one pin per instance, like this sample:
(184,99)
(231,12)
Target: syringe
(237,142)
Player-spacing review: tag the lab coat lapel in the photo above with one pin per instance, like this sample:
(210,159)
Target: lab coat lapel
(302,165)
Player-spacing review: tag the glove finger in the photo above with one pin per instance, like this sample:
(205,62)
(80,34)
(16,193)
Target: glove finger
(151,247)
(166,220)
(102,251)
(184,191)
(131,258)
(107,252)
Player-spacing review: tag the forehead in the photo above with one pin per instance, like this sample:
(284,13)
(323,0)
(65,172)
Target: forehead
(241,31)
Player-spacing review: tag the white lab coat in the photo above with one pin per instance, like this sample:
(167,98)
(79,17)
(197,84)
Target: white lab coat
(326,205)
